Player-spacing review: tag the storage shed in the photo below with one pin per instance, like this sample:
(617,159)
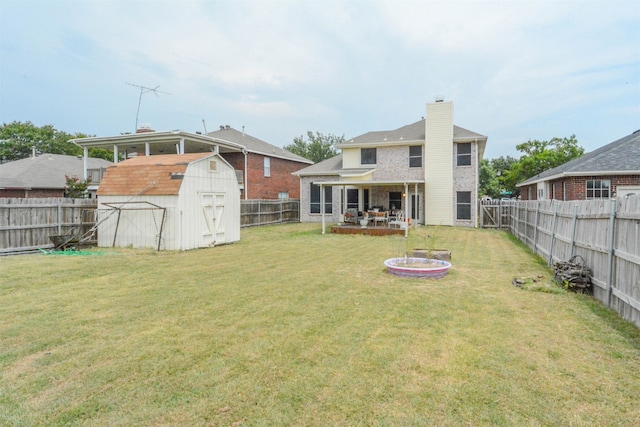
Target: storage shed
(169,202)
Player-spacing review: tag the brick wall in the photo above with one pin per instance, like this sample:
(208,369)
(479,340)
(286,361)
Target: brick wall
(576,187)
(260,187)
(37,193)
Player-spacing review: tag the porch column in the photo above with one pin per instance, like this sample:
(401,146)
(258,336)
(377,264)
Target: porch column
(115,153)
(147,149)
(322,205)
(406,209)
(85,162)
(181,146)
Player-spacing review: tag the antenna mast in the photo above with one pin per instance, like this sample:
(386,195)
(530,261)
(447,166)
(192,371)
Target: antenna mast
(143,90)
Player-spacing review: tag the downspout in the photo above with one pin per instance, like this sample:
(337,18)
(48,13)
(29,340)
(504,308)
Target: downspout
(477,183)
(246,183)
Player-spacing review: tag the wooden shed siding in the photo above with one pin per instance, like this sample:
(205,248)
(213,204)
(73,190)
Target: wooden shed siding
(184,221)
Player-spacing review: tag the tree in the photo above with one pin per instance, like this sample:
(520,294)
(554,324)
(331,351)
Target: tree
(75,187)
(318,148)
(540,156)
(18,140)
(489,183)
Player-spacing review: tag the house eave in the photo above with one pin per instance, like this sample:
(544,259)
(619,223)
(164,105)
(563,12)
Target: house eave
(579,173)
(369,183)
(379,143)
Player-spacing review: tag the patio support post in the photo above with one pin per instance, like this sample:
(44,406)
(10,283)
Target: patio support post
(85,162)
(406,209)
(181,146)
(115,153)
(322,205)
(147,149)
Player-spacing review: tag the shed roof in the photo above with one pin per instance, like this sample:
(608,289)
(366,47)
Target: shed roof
(620,157)
(149,175)
(45,171)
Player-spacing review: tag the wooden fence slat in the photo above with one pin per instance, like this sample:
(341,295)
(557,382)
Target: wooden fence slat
(606,233)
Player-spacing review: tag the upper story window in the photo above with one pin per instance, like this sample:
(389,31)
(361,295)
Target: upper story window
(463,157)
(367,156)
(598,188)
(415,156)
(267,166)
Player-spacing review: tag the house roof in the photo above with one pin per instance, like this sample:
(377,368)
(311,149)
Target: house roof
(331,166)
(148,175)
(255,145)
(620,157)
(45,171)
(412,133)
(405,135)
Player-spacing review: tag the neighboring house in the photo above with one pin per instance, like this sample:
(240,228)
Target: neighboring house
(267,169)
(263,170)
(44,175)
(428,169)
(172,202)
(611,170)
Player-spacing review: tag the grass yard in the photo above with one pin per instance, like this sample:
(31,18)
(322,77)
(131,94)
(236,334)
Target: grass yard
(290,327)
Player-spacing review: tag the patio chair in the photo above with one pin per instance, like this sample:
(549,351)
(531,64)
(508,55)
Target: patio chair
(399,221)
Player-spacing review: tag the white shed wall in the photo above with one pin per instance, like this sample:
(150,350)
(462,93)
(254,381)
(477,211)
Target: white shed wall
(189,222)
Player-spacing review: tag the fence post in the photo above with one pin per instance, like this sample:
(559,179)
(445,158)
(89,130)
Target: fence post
(59,217)
(553,233)
(535,230)
(612,224)
(573,227)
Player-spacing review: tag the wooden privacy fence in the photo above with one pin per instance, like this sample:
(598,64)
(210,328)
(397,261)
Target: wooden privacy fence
(26,224)
(264,212)
(606,233)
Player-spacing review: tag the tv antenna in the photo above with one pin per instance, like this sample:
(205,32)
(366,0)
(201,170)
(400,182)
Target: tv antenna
(143,90)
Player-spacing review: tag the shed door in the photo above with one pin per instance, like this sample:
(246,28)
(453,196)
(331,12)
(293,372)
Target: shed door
(213,232)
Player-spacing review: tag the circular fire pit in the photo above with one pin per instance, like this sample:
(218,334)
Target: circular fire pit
(418,267)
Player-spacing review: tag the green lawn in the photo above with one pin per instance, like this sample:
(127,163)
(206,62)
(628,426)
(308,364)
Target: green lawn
(290,327)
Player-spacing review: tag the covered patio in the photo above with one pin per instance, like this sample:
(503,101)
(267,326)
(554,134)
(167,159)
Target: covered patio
(385,217)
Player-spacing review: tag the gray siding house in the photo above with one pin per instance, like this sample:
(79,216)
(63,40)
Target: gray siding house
(427,170)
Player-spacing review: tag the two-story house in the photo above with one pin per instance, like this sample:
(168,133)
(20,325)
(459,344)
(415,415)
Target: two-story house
(428,170)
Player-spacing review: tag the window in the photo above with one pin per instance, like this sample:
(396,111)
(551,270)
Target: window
(352,198)
(283,195)
(267,166)
(367,156)
(463,205)
(395,200)
(415,156)
(464,154)
(314,204)
(598,188)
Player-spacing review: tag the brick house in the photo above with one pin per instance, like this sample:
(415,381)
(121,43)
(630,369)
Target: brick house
(44,175)
(267,169)
(427,170)
(611,170)
(263,170)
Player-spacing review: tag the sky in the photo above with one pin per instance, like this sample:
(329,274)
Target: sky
(515,70)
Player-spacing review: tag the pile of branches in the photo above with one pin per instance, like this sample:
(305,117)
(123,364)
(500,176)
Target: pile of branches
(573,274)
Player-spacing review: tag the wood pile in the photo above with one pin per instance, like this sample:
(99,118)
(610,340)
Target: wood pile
(573,274)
